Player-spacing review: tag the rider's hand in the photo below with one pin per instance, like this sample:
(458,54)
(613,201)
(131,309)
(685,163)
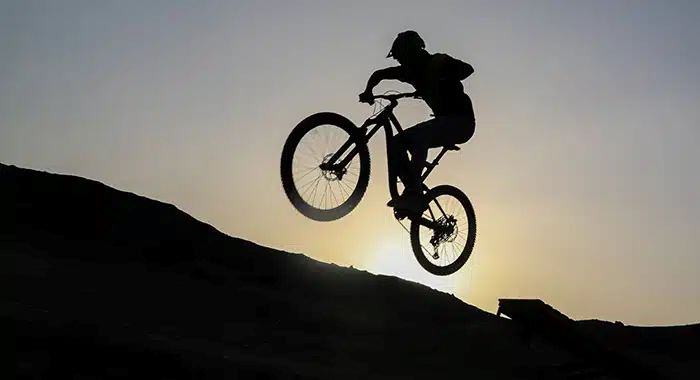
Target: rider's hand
(367,97)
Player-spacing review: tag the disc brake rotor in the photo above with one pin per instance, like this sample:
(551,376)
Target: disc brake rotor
(333,173)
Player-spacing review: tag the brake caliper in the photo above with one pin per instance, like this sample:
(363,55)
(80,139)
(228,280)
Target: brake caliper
(331,172)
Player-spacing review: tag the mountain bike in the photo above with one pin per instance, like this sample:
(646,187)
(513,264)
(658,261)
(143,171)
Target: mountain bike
(325,168)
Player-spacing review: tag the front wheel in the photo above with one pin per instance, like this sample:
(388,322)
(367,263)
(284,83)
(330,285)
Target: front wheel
(318,188)
(444,246)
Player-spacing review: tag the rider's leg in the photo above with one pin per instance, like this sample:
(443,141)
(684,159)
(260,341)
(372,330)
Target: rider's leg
(400,165)
(399,161)
(437,132)
(406,167)
(419,156)
(409,170)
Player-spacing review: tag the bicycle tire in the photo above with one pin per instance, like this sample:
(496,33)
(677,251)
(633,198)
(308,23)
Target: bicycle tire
(466,251)
(287,173)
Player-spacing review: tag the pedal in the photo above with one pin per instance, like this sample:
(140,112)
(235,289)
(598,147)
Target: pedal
(400,215)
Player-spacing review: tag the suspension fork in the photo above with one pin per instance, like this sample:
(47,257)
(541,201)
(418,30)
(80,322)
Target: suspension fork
(358,138)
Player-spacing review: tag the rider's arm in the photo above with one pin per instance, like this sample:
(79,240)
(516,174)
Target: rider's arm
(389,73)
(454,69)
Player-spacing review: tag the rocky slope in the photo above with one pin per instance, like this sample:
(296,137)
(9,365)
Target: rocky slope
(103,283)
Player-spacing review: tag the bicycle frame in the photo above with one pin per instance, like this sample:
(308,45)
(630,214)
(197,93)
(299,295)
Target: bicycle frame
(387,120)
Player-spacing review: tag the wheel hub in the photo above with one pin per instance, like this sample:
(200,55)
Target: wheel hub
(445,232)
(331,172)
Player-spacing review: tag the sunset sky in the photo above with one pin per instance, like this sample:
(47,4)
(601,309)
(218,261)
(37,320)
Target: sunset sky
(583,170)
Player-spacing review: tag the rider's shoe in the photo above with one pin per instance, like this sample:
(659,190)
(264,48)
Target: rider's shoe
(410,202)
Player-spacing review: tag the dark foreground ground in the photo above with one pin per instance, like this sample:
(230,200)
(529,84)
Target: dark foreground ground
(100,283)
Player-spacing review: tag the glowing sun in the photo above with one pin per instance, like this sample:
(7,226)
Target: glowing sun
(395,258)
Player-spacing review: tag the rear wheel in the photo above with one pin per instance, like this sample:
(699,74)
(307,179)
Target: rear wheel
(319,192)
(444,249)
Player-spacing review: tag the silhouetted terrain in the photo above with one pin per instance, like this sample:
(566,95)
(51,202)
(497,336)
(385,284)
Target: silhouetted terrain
(102,283)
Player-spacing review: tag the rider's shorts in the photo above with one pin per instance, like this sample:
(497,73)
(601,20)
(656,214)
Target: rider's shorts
(440,131)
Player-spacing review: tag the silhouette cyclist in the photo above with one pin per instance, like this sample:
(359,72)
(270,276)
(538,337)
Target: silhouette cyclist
(437,79)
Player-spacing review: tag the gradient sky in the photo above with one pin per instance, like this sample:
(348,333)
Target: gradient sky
(583,169)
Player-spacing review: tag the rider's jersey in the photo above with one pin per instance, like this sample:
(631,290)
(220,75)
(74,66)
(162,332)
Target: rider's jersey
(437,81)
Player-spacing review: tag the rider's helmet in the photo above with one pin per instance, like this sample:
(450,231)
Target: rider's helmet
(406,42)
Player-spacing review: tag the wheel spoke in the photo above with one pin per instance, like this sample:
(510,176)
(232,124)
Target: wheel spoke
(315,186)
(310,188)
(349,185)
(313,201)
(305,174)
(351,173)
(328,196)
(310,155)
(450,247)
(313,181)
(340,186)
(333,197)
(325,192)
(341,194)
(327,137)
(313,154)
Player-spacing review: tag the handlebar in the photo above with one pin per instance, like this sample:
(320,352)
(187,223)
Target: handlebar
(395,97)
